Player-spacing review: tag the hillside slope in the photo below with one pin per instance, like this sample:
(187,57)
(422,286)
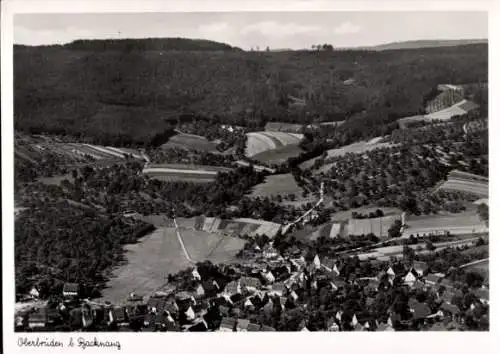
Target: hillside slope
(124,96)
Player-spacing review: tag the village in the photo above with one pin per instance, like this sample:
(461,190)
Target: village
(271,292)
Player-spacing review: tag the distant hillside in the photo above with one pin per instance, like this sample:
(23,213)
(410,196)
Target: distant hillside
(163,44)
(426,44)
(122,96)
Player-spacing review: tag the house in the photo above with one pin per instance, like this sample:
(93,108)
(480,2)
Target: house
(268,277)
(200,291)
(269,251)
(421,268)
(34,293)
(250,284)
(71,290)
(249,305)
(195,275)
(293,297)
(316,262)
(117,315)
(410,278)
(242,325)
(332,325)
(190,315)
(227,324)
(278,289)
(390,272)
(233,287)
(38,319)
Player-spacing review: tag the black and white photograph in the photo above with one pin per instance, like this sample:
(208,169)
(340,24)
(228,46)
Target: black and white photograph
(250,172)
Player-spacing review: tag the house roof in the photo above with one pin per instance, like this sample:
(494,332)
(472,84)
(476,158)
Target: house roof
(232,287)
(432,278)
(420,265)
(250,282)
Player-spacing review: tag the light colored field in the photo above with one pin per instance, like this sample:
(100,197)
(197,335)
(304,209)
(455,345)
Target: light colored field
(258,142)
(467,222)
(457,109)
(190,141)
(189,173)
(378,226)
(346,215)
(159,254)
(277,185)
(358,148)
(149,263)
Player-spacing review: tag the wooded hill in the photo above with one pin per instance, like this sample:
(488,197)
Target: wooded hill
(127,94)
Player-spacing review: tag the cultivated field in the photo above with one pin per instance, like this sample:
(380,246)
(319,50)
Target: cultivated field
(190,141)
(378,226)
(355,148)
(278,185)
(464,223)
(179,172)
(457,109)
(465,182)
(160,253)
(258,142)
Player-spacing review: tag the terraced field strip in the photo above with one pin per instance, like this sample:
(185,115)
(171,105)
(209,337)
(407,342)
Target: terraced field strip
(479,189)
(257,143)
(105,151)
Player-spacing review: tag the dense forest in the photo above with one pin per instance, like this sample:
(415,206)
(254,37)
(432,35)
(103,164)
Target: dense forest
(126,96)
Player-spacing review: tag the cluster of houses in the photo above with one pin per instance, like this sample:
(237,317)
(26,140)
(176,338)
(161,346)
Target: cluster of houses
(265,285)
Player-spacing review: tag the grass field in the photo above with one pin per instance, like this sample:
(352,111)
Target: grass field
(190,141)
(259,142)
(277,184)
(378,226)
(160,253)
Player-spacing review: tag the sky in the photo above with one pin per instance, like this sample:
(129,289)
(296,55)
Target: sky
(278,30)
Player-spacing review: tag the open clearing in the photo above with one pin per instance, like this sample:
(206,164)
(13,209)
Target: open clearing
(258,142)
(355,148)
(378,226)
(189,142)
(277,184)
(160,253)
(467,222)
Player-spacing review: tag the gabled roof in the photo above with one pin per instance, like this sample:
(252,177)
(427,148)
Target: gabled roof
(71,287)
